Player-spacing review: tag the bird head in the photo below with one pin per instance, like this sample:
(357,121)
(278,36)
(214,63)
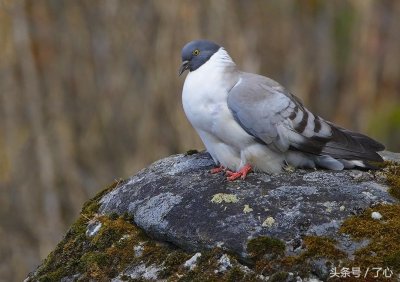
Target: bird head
(196,53)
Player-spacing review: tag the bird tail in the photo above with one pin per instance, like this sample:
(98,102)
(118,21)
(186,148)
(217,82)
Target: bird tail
(354,148)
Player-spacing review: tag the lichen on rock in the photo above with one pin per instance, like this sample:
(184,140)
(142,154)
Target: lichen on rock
(224,198)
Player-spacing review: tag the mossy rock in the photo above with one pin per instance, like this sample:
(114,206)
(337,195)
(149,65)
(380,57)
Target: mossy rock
(163,224)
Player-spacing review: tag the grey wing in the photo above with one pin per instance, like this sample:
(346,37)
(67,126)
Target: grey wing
(277,118)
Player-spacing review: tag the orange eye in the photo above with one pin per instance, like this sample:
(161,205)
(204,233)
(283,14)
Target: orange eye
(196,52)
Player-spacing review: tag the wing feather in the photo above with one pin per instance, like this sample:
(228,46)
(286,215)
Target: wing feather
(273,116)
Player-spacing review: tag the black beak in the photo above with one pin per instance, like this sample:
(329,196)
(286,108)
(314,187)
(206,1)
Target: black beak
(184,66)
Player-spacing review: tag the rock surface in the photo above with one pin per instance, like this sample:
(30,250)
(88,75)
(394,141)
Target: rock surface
(179,201)
(176,200)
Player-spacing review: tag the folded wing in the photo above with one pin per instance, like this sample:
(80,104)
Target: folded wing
(278,119)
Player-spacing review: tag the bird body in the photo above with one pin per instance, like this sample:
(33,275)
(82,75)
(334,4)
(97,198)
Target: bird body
(204,98)
(248,120)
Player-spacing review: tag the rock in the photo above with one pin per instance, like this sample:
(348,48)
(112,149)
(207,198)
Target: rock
(390,156)
(191,263)
(176,200)
(179,201)
(376,215)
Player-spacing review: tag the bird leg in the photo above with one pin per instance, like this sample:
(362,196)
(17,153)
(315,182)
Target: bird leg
(217,169)
(242,173)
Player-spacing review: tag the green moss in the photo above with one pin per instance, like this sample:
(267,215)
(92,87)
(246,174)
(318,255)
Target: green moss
(260,246)
(315,248)
(97,258)
(172,263)
(111,231)
(127,217)
(66,259)
(321,247)
(276,264)
(391,171)
(278,277)
(53,276)
(393,178)
(96,265)
(236,274)
(113,216)
(383,248)
(393,260)
(125,278)
(206,264)
(100,257)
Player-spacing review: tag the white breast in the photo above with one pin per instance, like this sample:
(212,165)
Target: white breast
(205,95)
(204,101)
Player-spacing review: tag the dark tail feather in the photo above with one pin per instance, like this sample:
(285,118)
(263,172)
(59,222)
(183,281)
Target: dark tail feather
(366,141)
(349,145)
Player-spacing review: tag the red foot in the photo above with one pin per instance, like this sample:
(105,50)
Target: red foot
(242,173)
(217,169)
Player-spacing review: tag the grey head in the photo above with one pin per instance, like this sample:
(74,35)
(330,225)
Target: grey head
(196,53)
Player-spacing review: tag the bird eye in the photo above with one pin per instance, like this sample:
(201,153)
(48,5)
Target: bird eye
(196,52)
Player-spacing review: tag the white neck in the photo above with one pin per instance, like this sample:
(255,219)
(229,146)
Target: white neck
(221,58)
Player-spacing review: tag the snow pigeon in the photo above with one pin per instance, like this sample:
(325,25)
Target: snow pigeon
(250,122)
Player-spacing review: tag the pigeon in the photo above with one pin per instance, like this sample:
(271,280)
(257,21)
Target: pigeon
(250,122)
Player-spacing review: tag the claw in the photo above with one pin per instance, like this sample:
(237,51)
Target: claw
(242,173)
(217,169)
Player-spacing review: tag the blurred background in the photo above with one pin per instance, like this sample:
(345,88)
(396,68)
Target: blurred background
(89,91)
